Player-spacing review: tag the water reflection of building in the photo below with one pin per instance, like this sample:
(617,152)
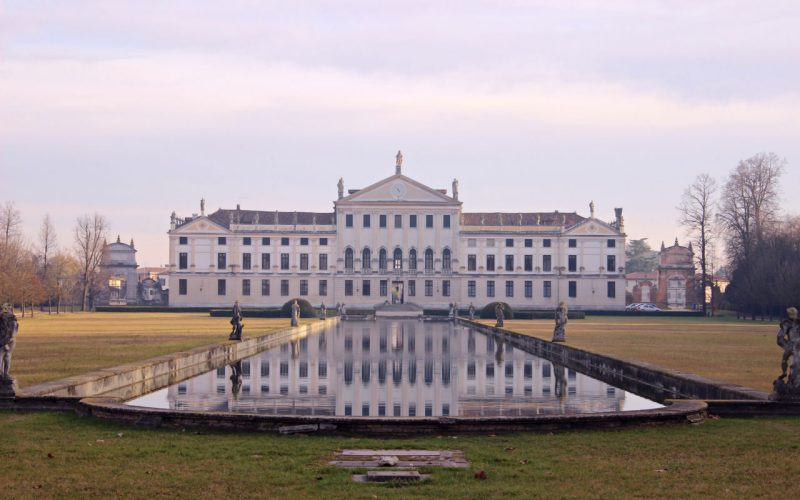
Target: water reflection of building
(398,368)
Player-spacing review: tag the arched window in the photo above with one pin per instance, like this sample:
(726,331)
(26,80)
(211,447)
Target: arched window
(348,258)
(382,259)
(429,260)
(398,259)
(446,259)
(412,259)
(366,259)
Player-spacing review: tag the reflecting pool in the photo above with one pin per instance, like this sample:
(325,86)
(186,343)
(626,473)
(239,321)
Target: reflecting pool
(395,368)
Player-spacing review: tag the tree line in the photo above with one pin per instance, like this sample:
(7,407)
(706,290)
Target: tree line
(762,242)
(44,273)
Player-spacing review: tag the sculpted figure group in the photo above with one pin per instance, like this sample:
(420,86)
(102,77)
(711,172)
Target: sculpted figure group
(787,385)
(8,339)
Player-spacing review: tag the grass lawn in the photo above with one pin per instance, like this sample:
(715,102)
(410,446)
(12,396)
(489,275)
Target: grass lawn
(741,352)
(62,455)
(51,347)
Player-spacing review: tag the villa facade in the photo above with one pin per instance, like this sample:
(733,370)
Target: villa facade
(397,240)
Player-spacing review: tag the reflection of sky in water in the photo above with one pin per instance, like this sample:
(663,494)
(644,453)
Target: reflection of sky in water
(395,368)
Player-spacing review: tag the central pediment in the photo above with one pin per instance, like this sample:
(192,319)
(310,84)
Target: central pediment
(397,189)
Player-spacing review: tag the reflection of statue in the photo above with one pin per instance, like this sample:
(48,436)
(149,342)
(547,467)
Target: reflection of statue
(9,326)
(323,311)
(560,331)
(236,378)
(788,339)
(498,353)
(561,380)
(295,313)
(471,312)
(236,322)
(498,312)
(340,185)
(295,349)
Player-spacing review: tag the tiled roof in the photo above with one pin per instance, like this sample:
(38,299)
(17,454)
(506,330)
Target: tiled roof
(223,217)
(521,219)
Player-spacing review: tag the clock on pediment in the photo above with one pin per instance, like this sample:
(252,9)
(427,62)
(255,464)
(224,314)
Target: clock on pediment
(398,190)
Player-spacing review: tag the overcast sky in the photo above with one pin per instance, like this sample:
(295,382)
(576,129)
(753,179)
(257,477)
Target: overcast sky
(135,109)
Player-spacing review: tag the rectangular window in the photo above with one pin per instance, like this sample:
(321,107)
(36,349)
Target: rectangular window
(285,288)
(528,289)
(546,243)
(572,263)
(429,220)
(547,289)
(611,263)
(265,287)
(323,262)
(472,262)
(446,221)
(323,288)
(284,242)
(348,287)
(611,243)
(446,288)
(303,287)
(183,240)
(528,243)
(412,288)
(547,263)
(222,240)
(366,289)
(412,221)
(304,262)
(304,242)
(246,261)
(612,290)
(490,288)
(384,288)
(222,261)
(348,220)
(366,220)
(265,261)
(323,242)
(509,263)
(529,263)
(221,287)
(471,288)
(572,243)
(573,289)
(183,260)
(284,261)
(265,241)
(247,241)
(509,242)
(245,287)
(490,262)
(509,288)
(429,288)
(182,287)
(382,220)
(398,221)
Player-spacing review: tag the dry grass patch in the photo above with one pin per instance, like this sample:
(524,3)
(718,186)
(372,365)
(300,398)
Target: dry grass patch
(740,352)
(51,347)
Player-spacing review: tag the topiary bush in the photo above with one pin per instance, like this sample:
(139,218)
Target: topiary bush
(488,311)
(306,309)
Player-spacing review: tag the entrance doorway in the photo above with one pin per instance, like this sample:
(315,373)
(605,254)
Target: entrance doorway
(398,296)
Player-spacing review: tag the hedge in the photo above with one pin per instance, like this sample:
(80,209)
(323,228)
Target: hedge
(151,309)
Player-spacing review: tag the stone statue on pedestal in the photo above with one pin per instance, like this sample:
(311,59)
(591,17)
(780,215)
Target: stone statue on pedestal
(501,316)
(560,331)
(9,326)
(295,313)
(789,340)
(455,189)
(323,311)
(340,185)
(236,323)
(453,309)
(471,312)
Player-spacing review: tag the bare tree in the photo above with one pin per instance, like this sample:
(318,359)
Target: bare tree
(90,236)
(749,204)
(47,245)
(10,221)
(697,215)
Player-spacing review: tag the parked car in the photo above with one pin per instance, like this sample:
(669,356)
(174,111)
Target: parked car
(648,308)
(632,307)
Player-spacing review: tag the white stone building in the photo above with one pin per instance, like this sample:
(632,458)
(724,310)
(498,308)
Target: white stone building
(397,240)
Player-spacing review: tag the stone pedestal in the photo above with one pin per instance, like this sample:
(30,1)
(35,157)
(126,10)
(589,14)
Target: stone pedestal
(8,387)
(782,391)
